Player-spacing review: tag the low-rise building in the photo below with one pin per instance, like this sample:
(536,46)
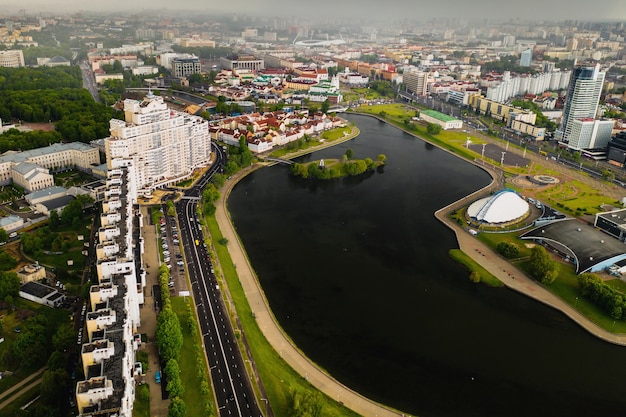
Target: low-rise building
(32,272)
(443,120)
(41,294)
(11,223)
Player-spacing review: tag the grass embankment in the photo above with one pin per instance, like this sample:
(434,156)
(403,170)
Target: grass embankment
(188,360)
(472,266)
(400,116)
(278,378)
(14,408)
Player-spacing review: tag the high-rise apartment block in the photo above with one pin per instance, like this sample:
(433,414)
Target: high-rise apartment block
(583,96)
(165,146)
(112,316)
(416,82)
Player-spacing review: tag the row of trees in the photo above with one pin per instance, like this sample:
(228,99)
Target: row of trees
(603,295)
(169,339)
(349,167)
(40,78)
(169,336)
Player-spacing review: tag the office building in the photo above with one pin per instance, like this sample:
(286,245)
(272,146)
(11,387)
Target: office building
(583,95)
(589,133)
(416,82)
(184,67)
(526,58)
(164,145)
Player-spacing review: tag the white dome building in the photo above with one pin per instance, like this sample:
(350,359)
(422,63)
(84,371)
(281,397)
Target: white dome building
(502,207)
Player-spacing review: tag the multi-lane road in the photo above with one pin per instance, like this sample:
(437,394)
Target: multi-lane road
(232,385)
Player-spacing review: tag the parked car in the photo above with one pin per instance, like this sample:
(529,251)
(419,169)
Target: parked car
(157,377)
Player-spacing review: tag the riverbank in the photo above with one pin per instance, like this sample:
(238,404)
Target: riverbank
(510,276)
(270,327)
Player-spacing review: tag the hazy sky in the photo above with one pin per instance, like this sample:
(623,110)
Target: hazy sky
(418,9)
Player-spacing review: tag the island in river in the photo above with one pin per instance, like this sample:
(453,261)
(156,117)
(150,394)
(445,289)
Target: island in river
(326,169)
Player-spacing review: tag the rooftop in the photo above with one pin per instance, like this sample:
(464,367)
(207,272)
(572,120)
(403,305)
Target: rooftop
(439,116)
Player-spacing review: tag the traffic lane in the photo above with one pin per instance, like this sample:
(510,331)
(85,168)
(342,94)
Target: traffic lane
(219,350)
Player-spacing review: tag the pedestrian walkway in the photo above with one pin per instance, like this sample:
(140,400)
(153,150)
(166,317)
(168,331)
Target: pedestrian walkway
(272,330)
(149,313)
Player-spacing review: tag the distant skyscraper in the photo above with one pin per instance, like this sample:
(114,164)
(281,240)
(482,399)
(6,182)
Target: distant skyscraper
(526,58)
(583,95)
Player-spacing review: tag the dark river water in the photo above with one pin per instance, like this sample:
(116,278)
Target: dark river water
(358,274)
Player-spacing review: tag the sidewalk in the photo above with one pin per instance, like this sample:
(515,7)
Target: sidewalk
(272,330)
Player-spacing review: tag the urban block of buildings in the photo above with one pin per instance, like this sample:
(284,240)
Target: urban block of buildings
(31,169)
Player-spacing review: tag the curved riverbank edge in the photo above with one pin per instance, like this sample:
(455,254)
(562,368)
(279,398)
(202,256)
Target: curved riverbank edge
(506,272)
(268,323)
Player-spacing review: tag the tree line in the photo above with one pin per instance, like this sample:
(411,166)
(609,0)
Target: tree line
(603,295)
(41,78)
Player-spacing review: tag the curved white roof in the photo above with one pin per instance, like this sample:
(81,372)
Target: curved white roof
(501,207)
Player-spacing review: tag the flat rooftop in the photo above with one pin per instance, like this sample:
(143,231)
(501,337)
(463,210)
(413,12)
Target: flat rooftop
(588,245)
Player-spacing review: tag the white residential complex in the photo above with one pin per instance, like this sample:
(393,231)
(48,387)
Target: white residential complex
(165,146)
(511,86)
(112,318)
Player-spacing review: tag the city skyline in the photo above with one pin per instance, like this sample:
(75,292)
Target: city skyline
(532,10)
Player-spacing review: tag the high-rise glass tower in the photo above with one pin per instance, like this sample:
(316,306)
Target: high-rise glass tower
(583,96)
(526,58)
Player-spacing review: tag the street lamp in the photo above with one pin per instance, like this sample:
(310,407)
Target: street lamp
(266,406)
(482,154)
(502,159)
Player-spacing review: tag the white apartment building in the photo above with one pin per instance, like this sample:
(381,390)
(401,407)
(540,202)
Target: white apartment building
(165,146)
(111,323)
(511,86)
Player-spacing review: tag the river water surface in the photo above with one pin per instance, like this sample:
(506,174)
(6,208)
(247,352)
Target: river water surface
(357,272)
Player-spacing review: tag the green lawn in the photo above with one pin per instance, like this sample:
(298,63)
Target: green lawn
(193,397)
(13,408)
(576,198)
(277,376)
(472,266)
(141,407)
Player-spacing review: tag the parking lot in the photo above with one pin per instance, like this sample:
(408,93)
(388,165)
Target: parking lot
(172,256)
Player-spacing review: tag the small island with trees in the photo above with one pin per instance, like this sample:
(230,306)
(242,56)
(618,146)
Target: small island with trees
(326,169)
